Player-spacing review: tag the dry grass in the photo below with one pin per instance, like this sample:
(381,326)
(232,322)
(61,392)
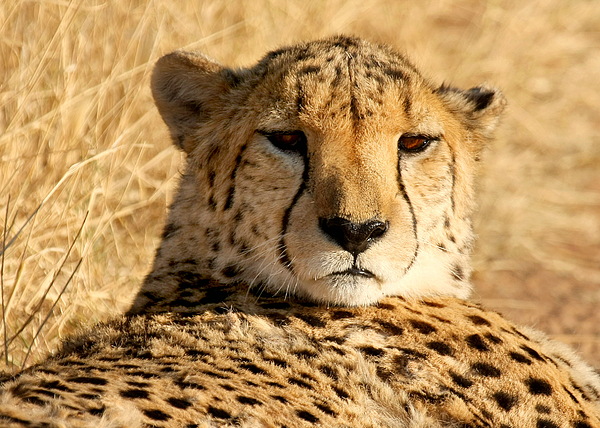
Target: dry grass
(86,168)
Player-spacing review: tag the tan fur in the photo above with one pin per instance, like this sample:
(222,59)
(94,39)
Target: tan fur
(256,314)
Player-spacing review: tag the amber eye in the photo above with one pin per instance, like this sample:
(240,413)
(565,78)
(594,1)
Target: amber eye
(293,141)
(414,143)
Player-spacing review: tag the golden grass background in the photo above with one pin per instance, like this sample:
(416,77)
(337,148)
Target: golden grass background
(87,170)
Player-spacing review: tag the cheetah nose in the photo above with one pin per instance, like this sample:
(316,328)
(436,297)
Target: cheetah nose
(353,237)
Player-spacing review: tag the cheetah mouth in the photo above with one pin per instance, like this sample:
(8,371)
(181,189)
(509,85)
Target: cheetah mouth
(354,271)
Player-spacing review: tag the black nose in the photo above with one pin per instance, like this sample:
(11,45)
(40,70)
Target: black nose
(353,237)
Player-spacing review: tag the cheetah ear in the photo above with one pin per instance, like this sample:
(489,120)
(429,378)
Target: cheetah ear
(480,107)
(188,88)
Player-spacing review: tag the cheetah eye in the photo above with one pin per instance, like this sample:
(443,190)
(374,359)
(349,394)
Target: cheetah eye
(415,143)
(293,141)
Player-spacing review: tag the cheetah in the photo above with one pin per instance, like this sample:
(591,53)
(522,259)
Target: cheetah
(313,267)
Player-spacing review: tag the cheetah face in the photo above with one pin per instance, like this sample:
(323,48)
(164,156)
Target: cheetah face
(331,170)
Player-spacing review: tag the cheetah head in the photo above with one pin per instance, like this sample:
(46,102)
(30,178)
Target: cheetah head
(331,170)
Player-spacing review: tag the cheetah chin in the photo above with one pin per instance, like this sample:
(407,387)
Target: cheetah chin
(358,285)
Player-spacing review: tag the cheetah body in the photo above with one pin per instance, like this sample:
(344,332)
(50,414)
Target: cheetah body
(313,266)
(266,362)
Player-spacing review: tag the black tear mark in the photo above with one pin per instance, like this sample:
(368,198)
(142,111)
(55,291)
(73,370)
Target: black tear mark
(413,218)
(452,168)
(284,258)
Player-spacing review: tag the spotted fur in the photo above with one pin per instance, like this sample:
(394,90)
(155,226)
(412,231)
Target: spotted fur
(312,266)
(263,361)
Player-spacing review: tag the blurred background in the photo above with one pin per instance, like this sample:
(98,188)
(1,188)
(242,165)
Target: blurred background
(87,169)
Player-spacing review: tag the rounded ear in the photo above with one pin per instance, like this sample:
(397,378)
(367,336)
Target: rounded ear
(187,87)
(479,107)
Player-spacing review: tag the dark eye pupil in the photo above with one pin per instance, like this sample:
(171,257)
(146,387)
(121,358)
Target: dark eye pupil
(414,143)
(288,141)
